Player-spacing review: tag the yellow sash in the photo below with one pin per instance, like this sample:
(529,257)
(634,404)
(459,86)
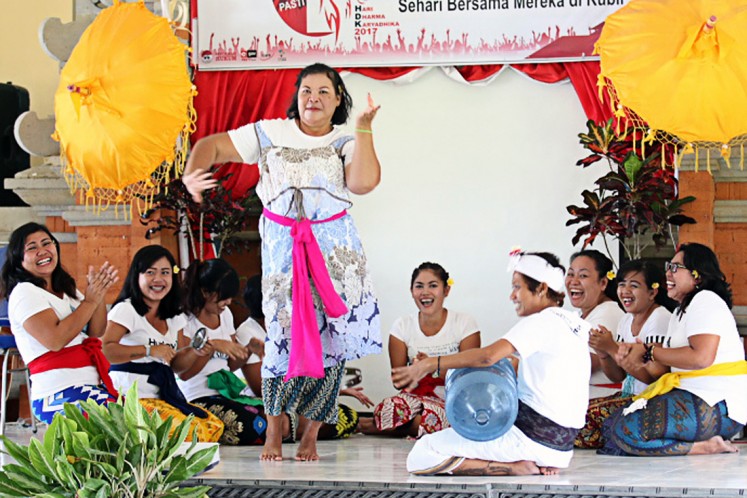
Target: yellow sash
(670,381)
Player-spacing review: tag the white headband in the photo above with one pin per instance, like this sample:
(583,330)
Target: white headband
(537,268)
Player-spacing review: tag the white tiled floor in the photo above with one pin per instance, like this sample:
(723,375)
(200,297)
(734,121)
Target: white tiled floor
(373,459)
(380,460)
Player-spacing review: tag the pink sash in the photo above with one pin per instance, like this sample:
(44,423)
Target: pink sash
(306,342)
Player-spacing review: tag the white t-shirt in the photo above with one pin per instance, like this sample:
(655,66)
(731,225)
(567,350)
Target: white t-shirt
(709,314)
(139,333)
(654,331)
(27,300)
(197,387)
(246,331)
(285,133)
(554,369)
(456,328)
(608,314)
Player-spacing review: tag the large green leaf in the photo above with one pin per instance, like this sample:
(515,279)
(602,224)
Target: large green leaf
(200,459)
(195,492)
(178,471)
(102,424)
(31,483)
(19,453)
(74,413)
(67,473)
(134,416)
(80,445)
(43,461)
(56,494)
(632,166)
(9,487)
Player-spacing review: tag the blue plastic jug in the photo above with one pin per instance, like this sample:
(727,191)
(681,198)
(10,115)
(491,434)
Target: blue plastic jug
(482,403)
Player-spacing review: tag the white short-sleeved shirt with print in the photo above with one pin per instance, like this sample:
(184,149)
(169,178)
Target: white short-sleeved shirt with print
(555,364)
(457,327)
(654,331)
(27,300)
(247,331)
(285,133)
(244,333)
(707,313)
(608,314)
(139,333)
(197,387)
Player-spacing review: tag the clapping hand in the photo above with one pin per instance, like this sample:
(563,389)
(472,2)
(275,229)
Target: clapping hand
(630,356)
(99,282)
(602,342)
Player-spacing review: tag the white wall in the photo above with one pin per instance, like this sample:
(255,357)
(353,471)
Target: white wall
(467,173)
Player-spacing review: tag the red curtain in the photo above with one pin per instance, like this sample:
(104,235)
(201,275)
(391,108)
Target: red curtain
(229,99)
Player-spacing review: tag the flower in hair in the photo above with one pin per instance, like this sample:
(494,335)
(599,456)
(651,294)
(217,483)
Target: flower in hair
(611,275)
(695,274)
(655,285)
(176,269)
(514,256)
(450,282)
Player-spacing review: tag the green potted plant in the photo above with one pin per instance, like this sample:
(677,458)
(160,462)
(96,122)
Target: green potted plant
(114,450)
(635,201)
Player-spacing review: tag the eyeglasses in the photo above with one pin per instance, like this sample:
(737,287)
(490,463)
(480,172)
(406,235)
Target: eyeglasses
(673,267)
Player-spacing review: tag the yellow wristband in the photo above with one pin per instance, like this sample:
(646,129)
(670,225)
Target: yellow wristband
(361,130)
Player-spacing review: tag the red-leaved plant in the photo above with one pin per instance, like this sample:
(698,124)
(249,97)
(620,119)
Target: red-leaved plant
(217,219)
(636,202)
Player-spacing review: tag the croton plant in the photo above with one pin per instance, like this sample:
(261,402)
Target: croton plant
(635,201)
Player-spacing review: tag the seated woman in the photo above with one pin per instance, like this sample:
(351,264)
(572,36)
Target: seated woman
(641,290)
(141,337)
(590,290)
(702,356)
(432,331)
(56,326)
(553,372)
(205,379)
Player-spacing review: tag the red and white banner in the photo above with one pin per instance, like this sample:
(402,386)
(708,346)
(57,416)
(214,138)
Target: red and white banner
(254,34)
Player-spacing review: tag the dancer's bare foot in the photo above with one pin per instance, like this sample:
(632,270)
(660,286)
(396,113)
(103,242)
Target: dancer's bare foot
(307,447)
(272,453)
(273,448)
(716,444)
(549,471)
(474,467)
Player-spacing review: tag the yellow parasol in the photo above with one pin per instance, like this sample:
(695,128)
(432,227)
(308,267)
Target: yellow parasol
(678,69)
(123,107)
